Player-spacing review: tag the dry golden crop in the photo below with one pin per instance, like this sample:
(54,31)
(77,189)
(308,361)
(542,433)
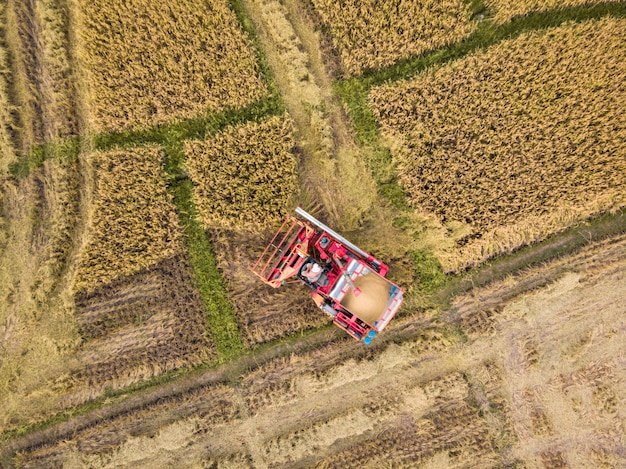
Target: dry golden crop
(134,222)
(156,62)
(506,10)
(515,142)
(7,150)
(244,177)
(369,35)
(42,86)
(58,90)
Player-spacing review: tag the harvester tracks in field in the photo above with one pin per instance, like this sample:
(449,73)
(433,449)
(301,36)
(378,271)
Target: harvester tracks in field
(278,396)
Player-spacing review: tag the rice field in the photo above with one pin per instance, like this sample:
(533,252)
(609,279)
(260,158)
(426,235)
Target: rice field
(134,223)
(154,166)
(509,145)
(245,176)
(428,399)
(153,63)
(369,36)
(506,10)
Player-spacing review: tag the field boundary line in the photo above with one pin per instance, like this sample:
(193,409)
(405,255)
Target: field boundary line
(558,245)
(221,318)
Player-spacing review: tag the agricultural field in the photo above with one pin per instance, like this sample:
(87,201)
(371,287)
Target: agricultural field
(134,222)
(150,151)
(251,166)
(425,396)
(244,177)
(506,10)
(509,145)
(37,89)
(370,37)
(150,64)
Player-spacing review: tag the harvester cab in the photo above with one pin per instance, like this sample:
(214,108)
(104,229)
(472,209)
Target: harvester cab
(347,283)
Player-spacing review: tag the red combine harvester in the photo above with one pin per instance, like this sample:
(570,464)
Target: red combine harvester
(348,284)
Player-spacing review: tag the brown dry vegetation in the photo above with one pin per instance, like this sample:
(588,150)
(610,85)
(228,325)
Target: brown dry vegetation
(548,387)
(245,176)
(138,327)
(516,142)
(133,222)
(370,36)
(42,85)
(526,372)
(154,63)
(506,10)
(37,329)
(7,148)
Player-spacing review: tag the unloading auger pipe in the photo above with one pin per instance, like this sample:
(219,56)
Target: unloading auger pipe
(332,233)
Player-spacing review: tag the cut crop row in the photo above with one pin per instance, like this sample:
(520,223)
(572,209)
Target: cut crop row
(263,313)
(7,124)
(245,176)
(146,324)
(42,85)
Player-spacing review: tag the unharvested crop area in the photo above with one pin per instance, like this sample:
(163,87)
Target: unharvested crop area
(244,177)
(134,221)
(370,36)
(509,145)
(132,333)
(506,10)
(151,63)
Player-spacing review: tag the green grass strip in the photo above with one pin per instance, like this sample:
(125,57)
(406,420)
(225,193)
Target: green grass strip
(221,318)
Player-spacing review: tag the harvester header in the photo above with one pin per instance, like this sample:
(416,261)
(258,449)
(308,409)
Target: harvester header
(347,283)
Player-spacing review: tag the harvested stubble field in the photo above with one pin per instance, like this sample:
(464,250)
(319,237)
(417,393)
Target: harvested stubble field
(509,145)
(137,327)
(154,63)
(105,303)
(263,313)
(542,380)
